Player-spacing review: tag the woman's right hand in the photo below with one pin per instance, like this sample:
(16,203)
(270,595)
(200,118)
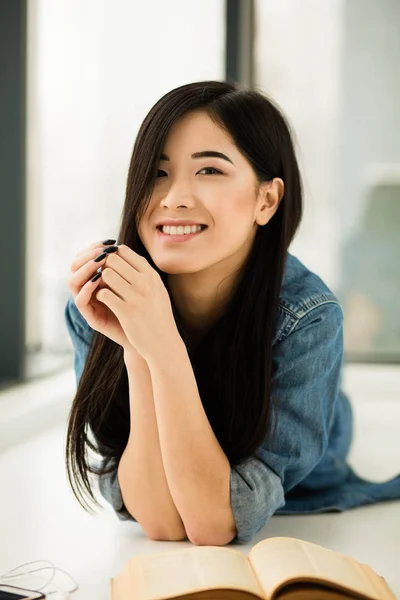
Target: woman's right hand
(97,314)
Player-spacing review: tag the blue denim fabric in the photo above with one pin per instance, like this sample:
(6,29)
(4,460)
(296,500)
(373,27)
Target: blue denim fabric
(304,470)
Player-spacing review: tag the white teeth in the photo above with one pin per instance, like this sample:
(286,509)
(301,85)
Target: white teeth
(181,230)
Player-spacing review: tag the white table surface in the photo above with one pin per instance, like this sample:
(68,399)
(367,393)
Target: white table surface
(40,518)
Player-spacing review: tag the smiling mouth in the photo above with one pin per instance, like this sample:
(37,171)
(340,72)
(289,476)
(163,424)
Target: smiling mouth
(179,237)
(159,227)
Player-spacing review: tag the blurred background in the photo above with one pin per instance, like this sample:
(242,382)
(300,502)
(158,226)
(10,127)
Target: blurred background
(79,76)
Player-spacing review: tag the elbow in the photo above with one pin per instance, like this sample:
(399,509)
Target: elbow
(212,540)
(212,537)
(208,532)
(173,532)
(167,536)
(164,532)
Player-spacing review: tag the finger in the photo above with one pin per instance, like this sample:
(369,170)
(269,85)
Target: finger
(110,299)
(86,271)
(117,283)
(99,244)
(120,266)
(135,260)
(84,257)
(84,297)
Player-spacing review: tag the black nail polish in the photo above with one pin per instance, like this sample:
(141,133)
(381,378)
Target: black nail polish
(100,257)
(108,242)
(96,277)
(111,249)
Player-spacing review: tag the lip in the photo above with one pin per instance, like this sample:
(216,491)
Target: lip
(165,237)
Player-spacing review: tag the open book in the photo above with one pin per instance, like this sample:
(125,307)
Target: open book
(281,568)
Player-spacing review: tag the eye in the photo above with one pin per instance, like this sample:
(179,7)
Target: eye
(204,169)
(212,169)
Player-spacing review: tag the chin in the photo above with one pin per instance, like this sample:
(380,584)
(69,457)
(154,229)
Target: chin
(175,269)
(176,266)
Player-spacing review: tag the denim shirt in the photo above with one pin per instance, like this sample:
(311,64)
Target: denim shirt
(304,470)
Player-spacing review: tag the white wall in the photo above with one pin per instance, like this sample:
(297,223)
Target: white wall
(95,70)
(370,107)
(333,68)
(298,54)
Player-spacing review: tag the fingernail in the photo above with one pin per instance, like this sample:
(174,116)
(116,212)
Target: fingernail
(96,277)
(108,242)
(111,249)
(100,257)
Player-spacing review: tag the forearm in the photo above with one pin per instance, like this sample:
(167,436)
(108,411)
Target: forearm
(196,467)
(141,474)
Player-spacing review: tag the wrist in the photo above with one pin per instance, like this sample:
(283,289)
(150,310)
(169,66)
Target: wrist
(171,351)
(132,355)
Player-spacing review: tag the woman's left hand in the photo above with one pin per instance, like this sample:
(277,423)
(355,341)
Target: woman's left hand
(140,301)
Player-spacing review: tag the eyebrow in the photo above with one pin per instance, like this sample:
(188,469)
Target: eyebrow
(204,153)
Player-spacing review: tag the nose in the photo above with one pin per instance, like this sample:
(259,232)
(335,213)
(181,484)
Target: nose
(177,197)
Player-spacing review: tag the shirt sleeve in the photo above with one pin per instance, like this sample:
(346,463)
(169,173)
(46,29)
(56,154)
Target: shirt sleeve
(304,387)
(81,335)
(110,490)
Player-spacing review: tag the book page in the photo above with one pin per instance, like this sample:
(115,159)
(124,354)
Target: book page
(283,559)
(165,575)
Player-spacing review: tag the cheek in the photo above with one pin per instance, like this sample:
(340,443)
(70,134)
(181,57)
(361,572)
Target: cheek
(231,236)
(144,226)
(142,233)
(145,234)
(235,212)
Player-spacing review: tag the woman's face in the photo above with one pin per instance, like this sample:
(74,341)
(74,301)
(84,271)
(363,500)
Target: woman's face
(219,192)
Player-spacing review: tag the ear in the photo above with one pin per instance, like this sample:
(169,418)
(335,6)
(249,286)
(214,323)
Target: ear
(269,196)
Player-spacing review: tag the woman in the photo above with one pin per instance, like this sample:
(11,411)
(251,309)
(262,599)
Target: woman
(209,367)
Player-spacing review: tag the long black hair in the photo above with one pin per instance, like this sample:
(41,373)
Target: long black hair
(233,363)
